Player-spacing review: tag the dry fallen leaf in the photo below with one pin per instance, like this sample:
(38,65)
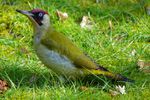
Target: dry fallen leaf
(144,66)
(121,89)
(62,15)
(3,86)
(114,93)
(118,90)
(83,88)
(86,23)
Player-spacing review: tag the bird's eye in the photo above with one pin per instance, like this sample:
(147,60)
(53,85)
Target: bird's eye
(40,14)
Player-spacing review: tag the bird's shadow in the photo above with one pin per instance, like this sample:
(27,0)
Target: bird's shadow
(21,77)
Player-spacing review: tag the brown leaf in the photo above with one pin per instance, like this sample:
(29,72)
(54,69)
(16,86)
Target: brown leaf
(144,66)
(62,15)
(86,23)
(83,88)
(3,86)
(117,91)
(113,93)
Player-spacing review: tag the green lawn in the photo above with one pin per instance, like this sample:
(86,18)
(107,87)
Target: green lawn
(113,48)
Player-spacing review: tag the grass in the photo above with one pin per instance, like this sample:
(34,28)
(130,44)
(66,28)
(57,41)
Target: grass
(29,79)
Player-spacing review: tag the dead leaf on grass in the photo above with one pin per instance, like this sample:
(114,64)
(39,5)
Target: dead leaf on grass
(62,15)
(3,86)
(144,66)
(83,88)
(86,23)
(113,93)
(121,89)
(118,90)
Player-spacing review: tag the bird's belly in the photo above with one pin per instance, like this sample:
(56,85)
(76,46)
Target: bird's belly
(58,63)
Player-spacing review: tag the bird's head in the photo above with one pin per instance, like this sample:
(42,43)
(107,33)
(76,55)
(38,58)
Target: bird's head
(38,17)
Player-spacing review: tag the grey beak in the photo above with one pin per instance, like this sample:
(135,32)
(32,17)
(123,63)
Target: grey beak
(27,13)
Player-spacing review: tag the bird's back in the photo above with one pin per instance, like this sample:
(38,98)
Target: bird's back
(61,44)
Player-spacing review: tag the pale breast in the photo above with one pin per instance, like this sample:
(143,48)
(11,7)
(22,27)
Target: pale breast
(58,63)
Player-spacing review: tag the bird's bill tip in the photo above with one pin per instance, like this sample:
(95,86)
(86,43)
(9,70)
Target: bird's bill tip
(28,13)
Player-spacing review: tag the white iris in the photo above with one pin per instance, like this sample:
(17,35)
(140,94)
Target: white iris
(40,14)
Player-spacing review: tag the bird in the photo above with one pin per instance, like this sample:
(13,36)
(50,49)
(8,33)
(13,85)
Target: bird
(59,53)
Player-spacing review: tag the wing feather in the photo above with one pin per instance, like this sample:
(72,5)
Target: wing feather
(58,42)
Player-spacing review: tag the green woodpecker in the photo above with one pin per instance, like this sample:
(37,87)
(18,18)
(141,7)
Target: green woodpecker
(60,54)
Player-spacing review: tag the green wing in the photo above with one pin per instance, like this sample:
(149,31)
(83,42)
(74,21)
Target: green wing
(58,42)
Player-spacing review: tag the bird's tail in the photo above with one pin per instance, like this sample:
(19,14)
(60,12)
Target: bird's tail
(116,77)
